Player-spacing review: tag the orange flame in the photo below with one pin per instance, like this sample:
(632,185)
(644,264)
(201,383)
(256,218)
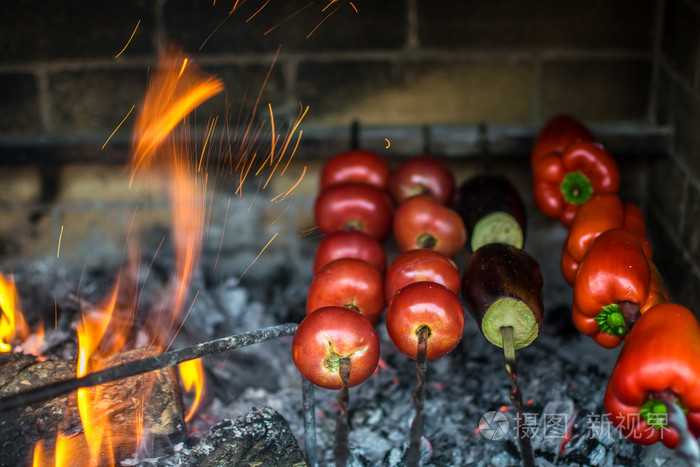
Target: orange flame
(159,146)
(91,352)
(12,323)
(175,90)
(192,374)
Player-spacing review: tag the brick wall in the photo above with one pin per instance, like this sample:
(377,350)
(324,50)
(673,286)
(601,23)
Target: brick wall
(674,184)
(449,78)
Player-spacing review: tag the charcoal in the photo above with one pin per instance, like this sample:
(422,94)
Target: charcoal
(261,437)
(561,365)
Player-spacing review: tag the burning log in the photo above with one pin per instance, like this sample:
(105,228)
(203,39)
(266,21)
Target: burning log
(22,427)
(145,365)
(149,404)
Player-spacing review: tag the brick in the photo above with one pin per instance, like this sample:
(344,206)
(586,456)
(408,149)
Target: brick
(19,106)
(19,185)
(208,27)
(681,39)
(426,92)
(243,86)
(94,102)
(665,93)
(22,239)
(666,192)
(540,24)
(690,237)
(36,30)
(94,183)
(597,90)
(668,256)
(686,121)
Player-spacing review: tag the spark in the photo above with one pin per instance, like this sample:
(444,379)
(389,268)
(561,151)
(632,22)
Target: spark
(120,124)
(307,232)
(293,151)
(388,143)
(256,258)
(183,322)
(82,275)
(210,130)
(223,231)
(216,29)
(274,140)
(148,271)
(302,114)
(60,236)
(282,213)
(255,196)
(353,7)
(184,64)
(239,191)
(282,196)
(288,18)
(259,10)
(331,3)
(129,41)
(324,19)
(235,6)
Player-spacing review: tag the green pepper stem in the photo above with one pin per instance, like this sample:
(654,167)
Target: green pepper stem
(576,188)
(611,320)
(654,413)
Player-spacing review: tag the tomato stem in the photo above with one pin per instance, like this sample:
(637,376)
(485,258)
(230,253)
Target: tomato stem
(352,306)
(426,240)
(576,188)
(352,224)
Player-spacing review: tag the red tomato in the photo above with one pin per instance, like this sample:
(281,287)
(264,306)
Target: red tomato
(419,266)
(327,335)
(556,135)
(425,304)
(422,174)
(351,283)
(349,244)
(354,206)
(355,166)
(422,222)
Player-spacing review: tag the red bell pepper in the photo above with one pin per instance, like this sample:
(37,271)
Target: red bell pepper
(557,134)
(661,357)
(615,284)
(600,213)
(561,183)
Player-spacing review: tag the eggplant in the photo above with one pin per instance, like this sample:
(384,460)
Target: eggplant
(501,287)
(492,211)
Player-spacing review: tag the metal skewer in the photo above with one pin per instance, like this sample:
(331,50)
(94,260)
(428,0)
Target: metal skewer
(145,365)
(516,397)
(309,404)
(342,427)
(413,454)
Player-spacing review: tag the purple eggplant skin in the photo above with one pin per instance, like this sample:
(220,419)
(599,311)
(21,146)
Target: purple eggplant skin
(502,286)
(481,195)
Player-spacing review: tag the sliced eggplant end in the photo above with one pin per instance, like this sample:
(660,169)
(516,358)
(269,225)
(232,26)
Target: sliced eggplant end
(514,313)
(497,227)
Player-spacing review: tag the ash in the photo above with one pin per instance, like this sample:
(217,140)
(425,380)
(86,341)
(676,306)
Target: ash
(468,415)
